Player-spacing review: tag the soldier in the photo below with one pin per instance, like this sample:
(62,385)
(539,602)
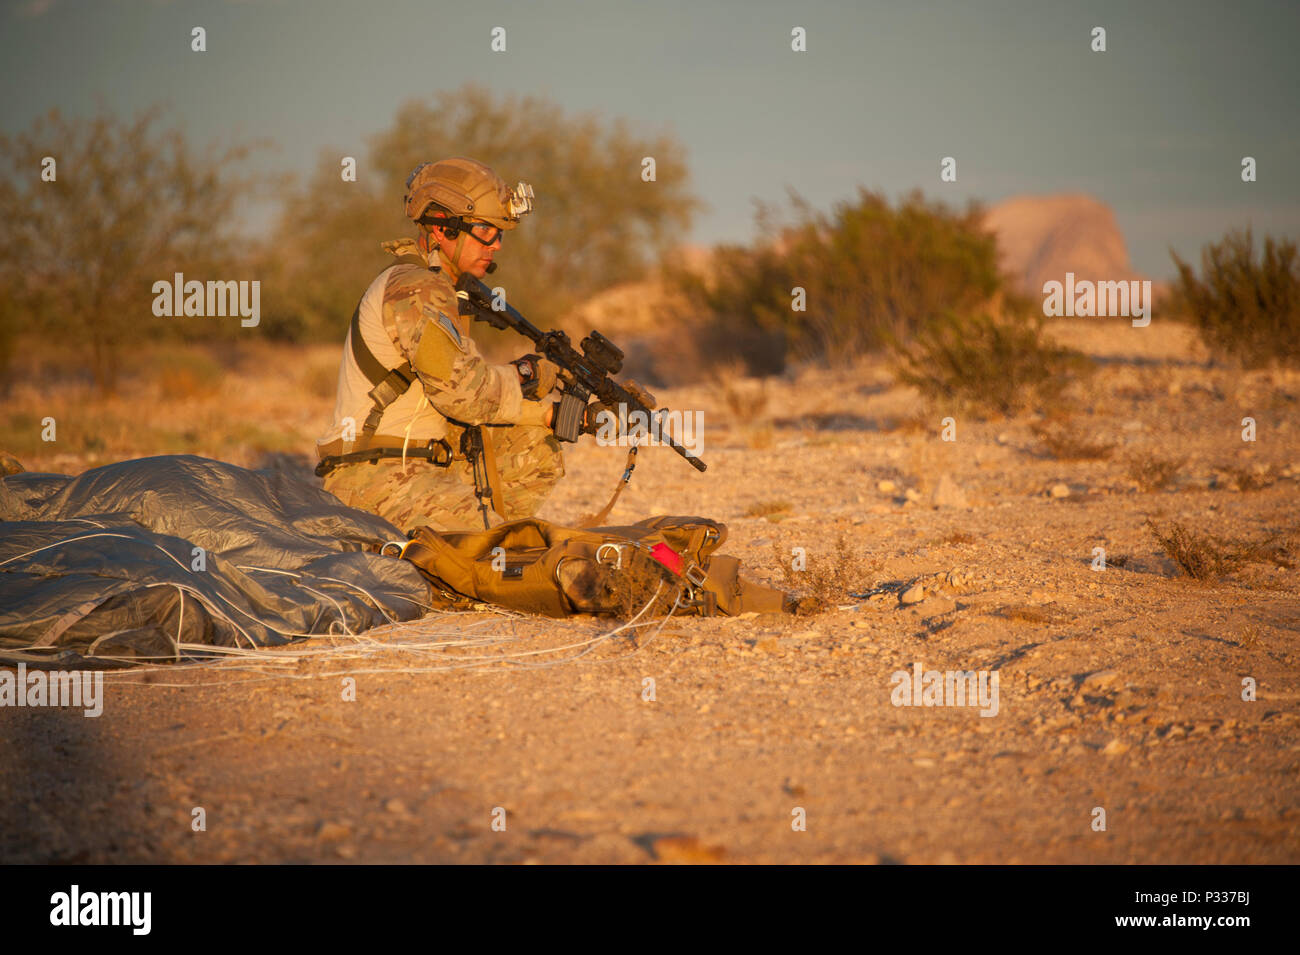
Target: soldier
(425,430)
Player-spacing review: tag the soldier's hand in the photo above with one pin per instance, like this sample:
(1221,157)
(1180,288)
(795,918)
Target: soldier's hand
(591,417)
(537,376)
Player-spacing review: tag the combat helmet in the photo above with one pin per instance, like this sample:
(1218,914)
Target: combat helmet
(464,190)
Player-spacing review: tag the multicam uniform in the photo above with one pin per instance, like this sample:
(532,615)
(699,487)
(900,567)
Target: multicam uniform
(409,314)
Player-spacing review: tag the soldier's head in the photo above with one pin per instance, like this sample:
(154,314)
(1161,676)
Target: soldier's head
(463,208)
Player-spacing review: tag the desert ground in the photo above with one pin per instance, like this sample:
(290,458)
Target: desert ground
(492,737)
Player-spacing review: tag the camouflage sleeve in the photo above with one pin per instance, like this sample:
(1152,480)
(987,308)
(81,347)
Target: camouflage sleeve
(457,380)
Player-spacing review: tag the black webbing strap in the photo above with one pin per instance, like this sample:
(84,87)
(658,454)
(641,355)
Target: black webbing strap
(370,366)
(389,383)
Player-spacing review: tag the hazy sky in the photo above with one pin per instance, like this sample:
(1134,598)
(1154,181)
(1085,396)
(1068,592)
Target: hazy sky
(1156,126)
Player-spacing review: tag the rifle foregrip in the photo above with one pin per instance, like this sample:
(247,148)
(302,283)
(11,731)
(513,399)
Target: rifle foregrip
(568,417)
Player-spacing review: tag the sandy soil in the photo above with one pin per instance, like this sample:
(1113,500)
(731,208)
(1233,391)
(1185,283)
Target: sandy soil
(1119,689)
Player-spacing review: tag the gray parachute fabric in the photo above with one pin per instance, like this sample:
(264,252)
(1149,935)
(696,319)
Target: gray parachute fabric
(152,558)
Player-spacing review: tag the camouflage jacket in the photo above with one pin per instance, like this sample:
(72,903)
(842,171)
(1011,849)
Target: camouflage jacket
(409,313)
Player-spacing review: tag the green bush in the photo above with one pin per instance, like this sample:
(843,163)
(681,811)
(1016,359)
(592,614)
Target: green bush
(986,365)
(1243,307)
(871,274)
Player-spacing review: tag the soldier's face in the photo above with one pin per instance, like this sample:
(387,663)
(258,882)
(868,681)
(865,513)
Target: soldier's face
(474,256)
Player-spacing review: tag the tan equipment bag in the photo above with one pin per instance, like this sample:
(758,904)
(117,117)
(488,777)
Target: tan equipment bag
(538,567)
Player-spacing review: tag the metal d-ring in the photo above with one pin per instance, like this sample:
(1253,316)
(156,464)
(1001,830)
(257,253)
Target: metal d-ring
(616,548)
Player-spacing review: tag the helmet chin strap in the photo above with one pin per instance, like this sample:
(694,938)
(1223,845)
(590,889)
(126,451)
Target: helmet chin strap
(455,254)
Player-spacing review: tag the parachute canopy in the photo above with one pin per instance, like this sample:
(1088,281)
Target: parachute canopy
(154,558)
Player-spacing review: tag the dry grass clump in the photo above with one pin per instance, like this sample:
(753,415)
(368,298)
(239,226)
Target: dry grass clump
(957,537)
(772,510)
(185,374)
(1250,479)
(1066,443)
(746,402)
(827,579)
(1205,557)
(1021,613)
(1199,556)
(1153,473)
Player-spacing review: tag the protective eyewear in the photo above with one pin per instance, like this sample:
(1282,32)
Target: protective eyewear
(483,233)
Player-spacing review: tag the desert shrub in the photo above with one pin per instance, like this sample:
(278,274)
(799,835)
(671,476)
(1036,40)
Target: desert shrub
(986,365)
(1252,479)
(773,510)
(1199,556)
(1206,557)
(870,273)
(827,580)
(1151,472)
(79,255)
(1244,307)
(1066,443)
(186,373)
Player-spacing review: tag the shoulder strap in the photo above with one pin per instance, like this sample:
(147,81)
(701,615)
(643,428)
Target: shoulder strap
(388,384)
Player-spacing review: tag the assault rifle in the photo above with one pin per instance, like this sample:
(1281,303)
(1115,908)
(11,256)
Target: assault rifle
(589,372)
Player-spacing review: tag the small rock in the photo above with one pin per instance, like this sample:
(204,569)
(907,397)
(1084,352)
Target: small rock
(887,487)
(913,595)
(947,493)
(681,848)
(912,495)
(396,807)
(1060,490)
(1004,437)
(1101,679)
(1116,747)
(332,832)
(937,605)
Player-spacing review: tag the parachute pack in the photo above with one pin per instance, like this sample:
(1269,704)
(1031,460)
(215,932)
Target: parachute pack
(536,566)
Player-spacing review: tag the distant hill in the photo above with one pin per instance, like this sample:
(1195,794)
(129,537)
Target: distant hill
(1040,238)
